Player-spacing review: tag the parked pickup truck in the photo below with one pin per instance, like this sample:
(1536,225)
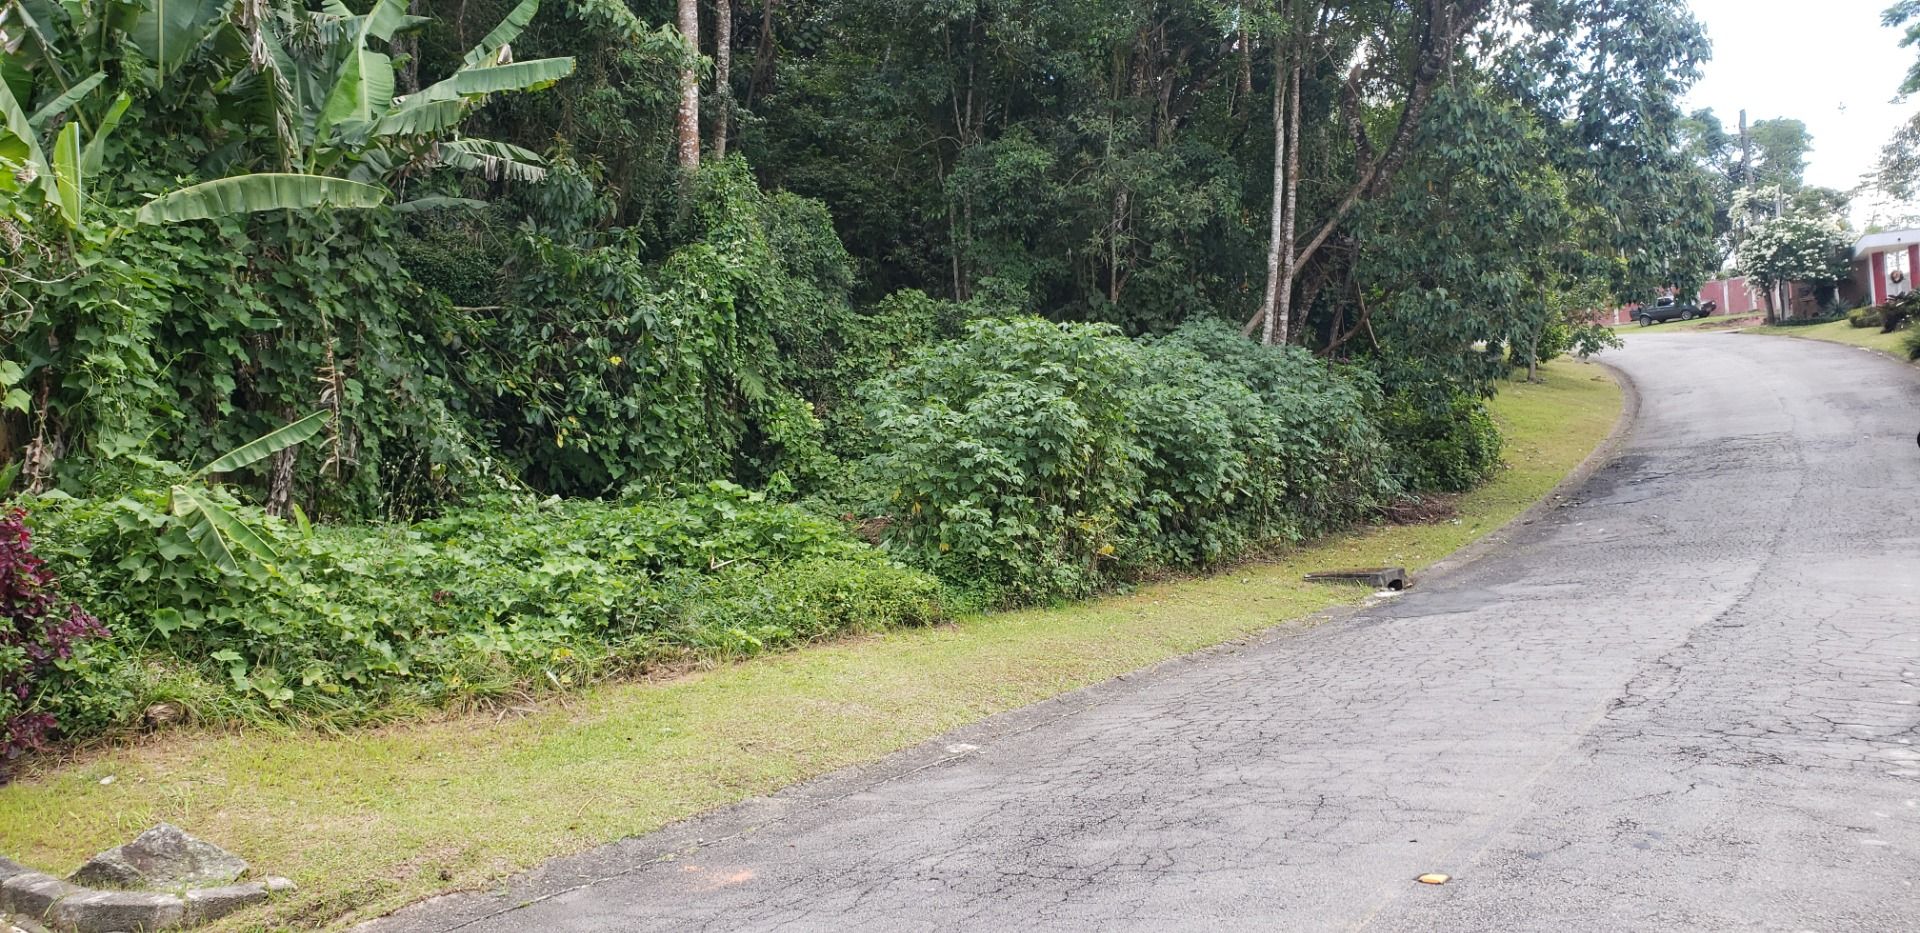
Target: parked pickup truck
(1667,309)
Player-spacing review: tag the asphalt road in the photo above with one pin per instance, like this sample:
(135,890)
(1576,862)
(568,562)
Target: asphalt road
(1685,700)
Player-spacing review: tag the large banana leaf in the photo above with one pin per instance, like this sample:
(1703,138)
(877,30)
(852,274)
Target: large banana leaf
(96,147)
(245,194)
(68,183)
(33,19)
(263,447)
(222,537)
(20,145)
(519,76)
(168,30)
(421,118)
(59,104)
(495,159)
(435,202)
(488,51)
(363,90)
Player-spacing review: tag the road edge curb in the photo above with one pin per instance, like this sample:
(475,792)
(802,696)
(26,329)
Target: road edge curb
(1597,460)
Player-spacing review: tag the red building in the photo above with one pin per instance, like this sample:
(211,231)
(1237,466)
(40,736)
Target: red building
(1883,266)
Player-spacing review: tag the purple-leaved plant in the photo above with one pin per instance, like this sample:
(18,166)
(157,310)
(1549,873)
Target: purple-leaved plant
(36,630)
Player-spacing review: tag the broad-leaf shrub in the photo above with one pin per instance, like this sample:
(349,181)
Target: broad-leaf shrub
(1039,460)
(39,633)
(1449,450)
(1327,461)
(1009,461)
(357,623)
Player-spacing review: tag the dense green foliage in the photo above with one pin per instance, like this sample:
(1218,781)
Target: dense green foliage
(962,298)
(41,634)
(476,603)
(1042,459)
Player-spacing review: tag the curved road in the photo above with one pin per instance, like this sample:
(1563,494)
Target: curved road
(1685,700)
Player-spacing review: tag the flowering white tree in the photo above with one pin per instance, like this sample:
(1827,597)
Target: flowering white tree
(1793,249)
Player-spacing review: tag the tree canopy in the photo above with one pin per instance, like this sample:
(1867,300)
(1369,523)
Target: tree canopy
(592,243)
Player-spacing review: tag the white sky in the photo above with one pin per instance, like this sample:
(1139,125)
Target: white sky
(1828,63)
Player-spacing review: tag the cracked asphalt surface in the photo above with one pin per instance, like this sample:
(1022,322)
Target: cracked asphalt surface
(1683,700)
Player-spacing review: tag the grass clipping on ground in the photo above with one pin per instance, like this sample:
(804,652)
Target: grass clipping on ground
(369,821)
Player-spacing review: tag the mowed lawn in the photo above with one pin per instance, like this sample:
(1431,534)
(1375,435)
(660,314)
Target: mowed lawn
(1843,332)
(369,821)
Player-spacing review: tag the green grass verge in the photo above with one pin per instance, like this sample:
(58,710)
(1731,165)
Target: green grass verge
(1721,322)
(1893,344)
(369,821)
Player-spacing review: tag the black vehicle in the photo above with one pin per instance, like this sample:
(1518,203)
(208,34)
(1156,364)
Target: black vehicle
(1667,309)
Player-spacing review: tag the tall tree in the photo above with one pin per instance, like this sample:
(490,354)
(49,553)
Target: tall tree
(722,75)
(1406,54)
(687,117)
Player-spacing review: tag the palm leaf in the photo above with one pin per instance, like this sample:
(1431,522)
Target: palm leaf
(37,26)
(261,448)
(508,30)
(361,94)
(59,104)
(8,474)
(264,191)
(388,17)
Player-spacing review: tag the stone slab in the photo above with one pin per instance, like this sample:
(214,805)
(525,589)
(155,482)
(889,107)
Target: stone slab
(118,912)
(205,905)
(32,894)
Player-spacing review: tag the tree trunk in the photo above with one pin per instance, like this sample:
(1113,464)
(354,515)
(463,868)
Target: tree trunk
(280,483)
(1272,327)
(1289,263)
(1446,24)
(410,47)
(722,75)
(763,56)
(687,119)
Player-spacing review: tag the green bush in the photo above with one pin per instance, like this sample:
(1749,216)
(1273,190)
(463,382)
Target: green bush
(1009,461)
(357,623)
(1449,450)
(1913,343)
(1040,461)
(1866,317)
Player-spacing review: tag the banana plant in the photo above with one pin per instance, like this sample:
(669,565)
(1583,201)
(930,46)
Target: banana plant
(338,103)
(341,137)
(222,536)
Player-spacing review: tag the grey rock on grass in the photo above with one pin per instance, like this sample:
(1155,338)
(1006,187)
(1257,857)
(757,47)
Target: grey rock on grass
(162,857)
